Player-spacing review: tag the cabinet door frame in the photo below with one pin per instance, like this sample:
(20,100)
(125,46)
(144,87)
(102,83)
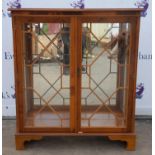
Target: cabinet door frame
(134,21)
(75,62)
(18,21)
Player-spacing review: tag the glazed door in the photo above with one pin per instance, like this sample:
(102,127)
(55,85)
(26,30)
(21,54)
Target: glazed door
(104,74)
(47,66)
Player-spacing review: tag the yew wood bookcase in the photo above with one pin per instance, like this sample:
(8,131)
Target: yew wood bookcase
(75,73)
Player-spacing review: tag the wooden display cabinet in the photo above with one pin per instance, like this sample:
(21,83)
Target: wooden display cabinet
(75,73)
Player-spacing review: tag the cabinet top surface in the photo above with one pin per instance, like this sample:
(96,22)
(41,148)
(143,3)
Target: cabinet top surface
(75,10)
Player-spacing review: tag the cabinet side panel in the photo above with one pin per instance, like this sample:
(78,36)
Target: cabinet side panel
(133,74)
(17,72)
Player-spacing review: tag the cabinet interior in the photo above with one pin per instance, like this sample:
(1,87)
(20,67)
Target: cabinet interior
(104,74)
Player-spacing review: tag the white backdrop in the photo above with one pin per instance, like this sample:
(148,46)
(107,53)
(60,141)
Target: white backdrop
(143,101)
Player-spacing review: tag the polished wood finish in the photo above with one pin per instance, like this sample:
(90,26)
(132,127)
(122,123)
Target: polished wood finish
(21,139)
(129,139)
(75,17)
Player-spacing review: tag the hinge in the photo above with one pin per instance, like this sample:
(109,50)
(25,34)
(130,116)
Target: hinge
(78,71)
(22,27)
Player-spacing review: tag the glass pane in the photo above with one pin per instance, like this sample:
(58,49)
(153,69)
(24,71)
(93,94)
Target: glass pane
(105,50)
(47,74)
